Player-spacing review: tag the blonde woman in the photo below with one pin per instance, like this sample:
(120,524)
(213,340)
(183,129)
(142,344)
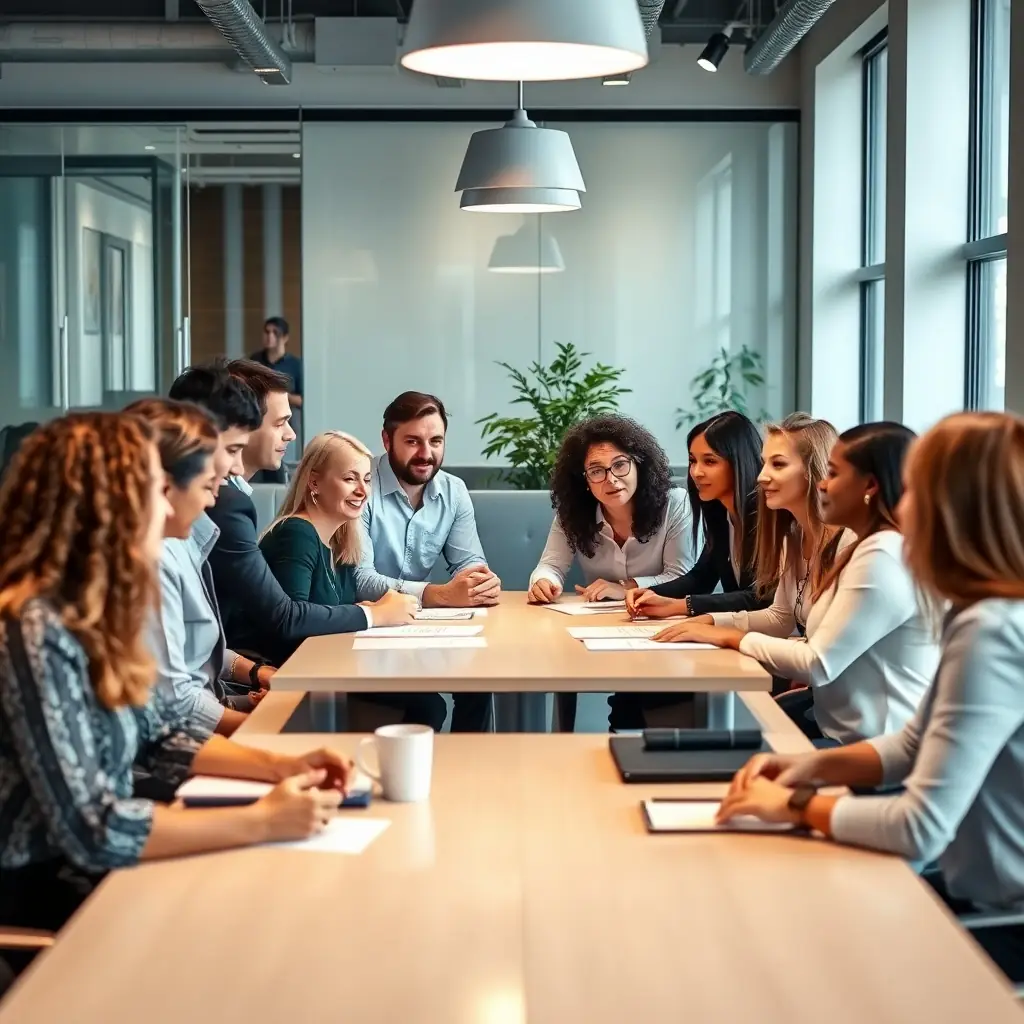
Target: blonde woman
(961,758)
(313,548)
(795,548)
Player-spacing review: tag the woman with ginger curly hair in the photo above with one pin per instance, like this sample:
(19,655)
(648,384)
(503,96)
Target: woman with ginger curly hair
(82,509)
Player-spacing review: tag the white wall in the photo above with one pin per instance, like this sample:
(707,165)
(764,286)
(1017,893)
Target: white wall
(671,81)
(90,207)
(639,265)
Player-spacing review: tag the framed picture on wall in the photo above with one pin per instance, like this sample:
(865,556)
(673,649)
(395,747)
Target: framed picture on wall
(116,313)
(92,276)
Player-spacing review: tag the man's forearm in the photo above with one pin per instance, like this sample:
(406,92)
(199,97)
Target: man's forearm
(230,721)
(224,757)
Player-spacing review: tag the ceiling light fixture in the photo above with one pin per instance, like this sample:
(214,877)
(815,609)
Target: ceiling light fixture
(520,168)
(526,252)
(524,40)
(714,53)
(150,148)
(622,79)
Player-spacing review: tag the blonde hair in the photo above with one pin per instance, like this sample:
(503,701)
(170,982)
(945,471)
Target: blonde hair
(76,505)
(779,538)
(962,529)
(344,544)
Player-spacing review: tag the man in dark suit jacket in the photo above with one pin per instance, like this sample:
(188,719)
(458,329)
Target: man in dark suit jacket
(259,617)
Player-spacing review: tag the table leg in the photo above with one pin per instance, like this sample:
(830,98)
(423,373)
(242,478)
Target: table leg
(323,711)
(721,710)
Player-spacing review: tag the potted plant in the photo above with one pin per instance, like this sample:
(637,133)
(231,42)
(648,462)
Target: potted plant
(724,385)
(559,395)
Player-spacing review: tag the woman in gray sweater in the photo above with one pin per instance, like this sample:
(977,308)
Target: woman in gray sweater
(960,760)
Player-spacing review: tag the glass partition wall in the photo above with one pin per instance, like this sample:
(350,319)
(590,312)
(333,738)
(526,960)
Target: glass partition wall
(94,307)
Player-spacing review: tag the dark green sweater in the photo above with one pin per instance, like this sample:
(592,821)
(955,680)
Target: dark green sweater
(301,563)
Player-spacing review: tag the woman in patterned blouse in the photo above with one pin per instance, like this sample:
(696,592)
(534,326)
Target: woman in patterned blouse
(82,510)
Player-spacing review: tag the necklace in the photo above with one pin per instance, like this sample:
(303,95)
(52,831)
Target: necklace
(332,578)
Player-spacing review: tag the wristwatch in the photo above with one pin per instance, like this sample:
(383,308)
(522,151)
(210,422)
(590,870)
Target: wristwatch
(689,606)
(800,798)
(254,675)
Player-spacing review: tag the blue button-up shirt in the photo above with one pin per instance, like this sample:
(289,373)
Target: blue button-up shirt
(401,544)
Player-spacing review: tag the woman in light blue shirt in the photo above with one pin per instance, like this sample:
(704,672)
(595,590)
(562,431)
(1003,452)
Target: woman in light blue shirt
(616,513)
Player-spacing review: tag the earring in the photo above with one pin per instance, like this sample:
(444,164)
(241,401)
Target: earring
(313,496)
(867,499)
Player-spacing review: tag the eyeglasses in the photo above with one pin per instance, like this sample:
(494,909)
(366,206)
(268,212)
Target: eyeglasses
(619,468)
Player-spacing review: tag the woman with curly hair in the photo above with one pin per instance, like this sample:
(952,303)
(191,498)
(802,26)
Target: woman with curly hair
(83,508)
(617,514)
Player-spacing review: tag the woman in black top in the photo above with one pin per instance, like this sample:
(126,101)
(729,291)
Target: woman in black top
(725,459)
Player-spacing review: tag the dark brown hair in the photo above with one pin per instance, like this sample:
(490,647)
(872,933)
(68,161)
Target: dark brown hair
(260,380)
(572,498)
(76,508)
(186,436)
(412,405)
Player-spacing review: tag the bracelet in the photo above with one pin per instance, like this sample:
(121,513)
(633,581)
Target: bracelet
(689,606)
(234,665)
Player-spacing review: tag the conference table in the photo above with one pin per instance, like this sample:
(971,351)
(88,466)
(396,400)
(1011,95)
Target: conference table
(529,651)
(526,891)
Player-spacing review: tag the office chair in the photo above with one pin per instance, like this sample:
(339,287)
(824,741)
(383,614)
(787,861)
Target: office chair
(19,940)
(991,921)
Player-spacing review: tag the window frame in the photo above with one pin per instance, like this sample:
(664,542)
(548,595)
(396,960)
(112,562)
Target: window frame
(872,348)
(981,249)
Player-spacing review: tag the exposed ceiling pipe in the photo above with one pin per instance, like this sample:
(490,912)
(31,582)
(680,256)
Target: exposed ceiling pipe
(242,28)
(793,21)
(650,11)
(127,43)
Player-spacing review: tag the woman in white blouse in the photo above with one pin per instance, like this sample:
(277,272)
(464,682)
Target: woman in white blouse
(870,650)
(616,513)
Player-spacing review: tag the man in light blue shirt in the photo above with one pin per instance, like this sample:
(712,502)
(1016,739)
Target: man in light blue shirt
(416,514)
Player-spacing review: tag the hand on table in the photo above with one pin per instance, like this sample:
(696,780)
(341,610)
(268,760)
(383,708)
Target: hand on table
(602,590)
(785,769)
(394,609)
(700,630)
(647,604)
(264,674)
(763,799)
(544,591)
(470,588)
(337,771)
(299,807)
(257,695)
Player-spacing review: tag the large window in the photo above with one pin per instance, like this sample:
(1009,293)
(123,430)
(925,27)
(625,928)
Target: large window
(986,247)
(872,273)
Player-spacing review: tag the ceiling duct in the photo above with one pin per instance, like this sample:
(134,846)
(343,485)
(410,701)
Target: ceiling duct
(242,28)
(650,12)
(795,19)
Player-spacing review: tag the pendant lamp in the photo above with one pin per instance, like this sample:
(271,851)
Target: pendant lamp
(520,168)
(524,40)
(526,252)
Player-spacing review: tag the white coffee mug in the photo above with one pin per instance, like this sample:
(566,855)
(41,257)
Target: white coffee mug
(405,755)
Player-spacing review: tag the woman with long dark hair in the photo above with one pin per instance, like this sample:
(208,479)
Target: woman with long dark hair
(725,459)
(960,760)
(869,652)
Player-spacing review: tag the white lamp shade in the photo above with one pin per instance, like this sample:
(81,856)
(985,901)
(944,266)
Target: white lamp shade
(520,200)
(524,40)
(520,158)
(526,252)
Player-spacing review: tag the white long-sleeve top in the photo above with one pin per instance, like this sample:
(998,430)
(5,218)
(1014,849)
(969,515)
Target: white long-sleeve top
(961,760)
(665,556)
(870,652)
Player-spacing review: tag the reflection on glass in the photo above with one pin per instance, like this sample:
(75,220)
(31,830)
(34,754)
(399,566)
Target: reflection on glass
(994,117)
(992,334)
(876,71)
(713,255)
(872,350)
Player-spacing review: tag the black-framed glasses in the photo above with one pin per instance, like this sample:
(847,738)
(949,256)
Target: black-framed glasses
(619,468)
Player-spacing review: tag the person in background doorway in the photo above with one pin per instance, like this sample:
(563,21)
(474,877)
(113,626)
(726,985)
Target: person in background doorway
(275,356)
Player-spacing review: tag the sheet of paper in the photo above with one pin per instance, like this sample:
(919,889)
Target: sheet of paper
(611,632)
(443,614)
(422,631)
(344,834)
(576,607)
(641,644)
(699,816)
(414,643)
(207,787)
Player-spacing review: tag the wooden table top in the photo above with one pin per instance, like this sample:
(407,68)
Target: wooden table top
(528,650)
(526,890)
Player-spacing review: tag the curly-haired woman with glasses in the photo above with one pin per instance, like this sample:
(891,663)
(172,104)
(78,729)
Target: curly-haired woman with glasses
(617,514)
